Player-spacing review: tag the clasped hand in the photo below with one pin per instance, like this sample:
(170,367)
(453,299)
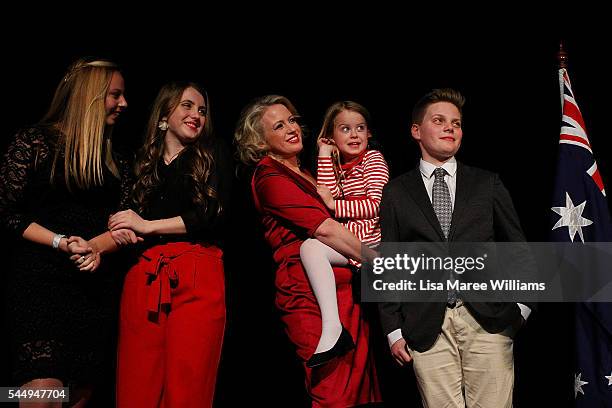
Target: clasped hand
(85,256)
(126,227)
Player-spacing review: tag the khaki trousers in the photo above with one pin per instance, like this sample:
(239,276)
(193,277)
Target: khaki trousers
(467,366)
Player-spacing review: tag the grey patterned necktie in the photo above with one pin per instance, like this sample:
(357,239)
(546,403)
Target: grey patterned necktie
(443,207)
(441,201)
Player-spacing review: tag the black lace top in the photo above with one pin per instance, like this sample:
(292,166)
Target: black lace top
(58,317)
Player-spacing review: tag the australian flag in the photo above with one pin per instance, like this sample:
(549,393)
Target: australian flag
(581,215)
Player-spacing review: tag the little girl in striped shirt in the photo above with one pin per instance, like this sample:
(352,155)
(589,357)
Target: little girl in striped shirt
(350,180)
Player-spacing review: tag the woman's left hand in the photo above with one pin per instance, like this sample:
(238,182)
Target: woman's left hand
(128,219)
(87,263)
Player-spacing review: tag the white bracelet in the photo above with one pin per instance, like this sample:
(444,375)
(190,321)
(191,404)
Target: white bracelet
(56,241)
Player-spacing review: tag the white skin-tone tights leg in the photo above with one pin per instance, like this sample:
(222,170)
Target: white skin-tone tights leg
(318,260)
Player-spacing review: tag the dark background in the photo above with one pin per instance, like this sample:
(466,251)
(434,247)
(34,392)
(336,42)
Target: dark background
(511,126)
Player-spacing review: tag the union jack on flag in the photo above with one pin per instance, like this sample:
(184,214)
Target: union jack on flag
(573,129)
(580,208)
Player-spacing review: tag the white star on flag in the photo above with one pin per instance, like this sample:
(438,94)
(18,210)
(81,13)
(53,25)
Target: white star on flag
(609,378)
(578,383)
(571,217)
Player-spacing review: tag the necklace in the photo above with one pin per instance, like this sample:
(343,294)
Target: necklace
(170,159)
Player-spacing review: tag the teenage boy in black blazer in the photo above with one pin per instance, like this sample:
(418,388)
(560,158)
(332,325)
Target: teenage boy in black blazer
(462,351)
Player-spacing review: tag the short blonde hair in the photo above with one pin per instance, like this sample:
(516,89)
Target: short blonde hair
(249,136)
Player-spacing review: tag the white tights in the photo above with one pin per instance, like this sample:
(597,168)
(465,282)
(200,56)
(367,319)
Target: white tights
(318,260)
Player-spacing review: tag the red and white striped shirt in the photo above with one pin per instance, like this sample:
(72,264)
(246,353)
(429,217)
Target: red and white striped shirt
(358,208)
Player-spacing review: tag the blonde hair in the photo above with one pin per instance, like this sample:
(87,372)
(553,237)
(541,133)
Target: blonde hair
(249,136)
(78,111)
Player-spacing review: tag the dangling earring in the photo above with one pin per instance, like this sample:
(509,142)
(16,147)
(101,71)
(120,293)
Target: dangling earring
(163,125)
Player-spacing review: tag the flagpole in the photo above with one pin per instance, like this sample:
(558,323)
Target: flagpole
(562,60)
(562,56)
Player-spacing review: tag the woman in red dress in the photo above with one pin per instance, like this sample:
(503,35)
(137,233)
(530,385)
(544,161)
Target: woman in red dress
(268,135)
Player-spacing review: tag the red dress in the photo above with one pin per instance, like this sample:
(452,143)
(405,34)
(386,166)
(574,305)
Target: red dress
(292,211)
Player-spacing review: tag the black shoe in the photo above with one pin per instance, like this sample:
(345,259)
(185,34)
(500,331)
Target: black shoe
(343,345)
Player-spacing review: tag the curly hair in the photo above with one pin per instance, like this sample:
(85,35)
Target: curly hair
(198,154)
(249,138)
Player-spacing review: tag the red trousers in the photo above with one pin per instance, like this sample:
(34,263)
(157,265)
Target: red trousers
(171,327)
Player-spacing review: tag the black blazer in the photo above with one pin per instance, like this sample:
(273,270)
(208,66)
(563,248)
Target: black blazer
(483,212)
